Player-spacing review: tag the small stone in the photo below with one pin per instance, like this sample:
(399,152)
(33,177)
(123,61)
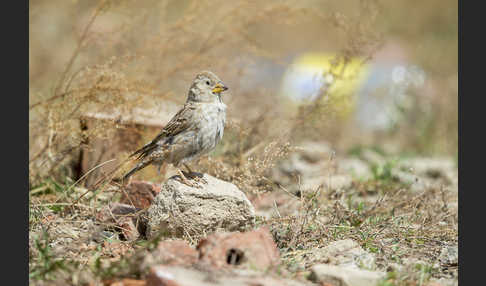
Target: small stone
(332,182)
(413,261)
(113,211)
(442,282)
(354,167)
(177,276)
(253,249)
(129,282)
(125,219)
(171,252)
(315,151)
(295,166)
(346,253)
(443,169)
(433,284)
(449,255)
(392,267)
(101,235)
(344,276)
(140,194)
(373,157)
(128,228)
(161,276)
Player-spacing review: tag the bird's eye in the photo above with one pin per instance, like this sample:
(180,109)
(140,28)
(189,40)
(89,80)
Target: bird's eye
(208,83)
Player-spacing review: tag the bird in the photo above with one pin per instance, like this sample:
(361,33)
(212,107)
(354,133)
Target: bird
(193,131)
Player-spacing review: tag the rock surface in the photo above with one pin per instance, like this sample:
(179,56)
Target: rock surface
(347,253)
(354,167)
(129,282)
(331,182)
(125,219)
(171,252)
(431,172)
(314,152)
(449,255)
(140,194)
(344,276)
(179,209)
(253,249)
(161,275)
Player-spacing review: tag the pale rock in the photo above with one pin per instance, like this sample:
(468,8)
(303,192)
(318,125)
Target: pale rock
(162,275)
(329,182)
(315,151)
(347,253)
(344,276)
(179,209)
(443,169)
(449,255)
(373,157)
(354,167)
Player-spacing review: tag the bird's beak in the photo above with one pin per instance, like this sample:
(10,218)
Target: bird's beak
(218,88)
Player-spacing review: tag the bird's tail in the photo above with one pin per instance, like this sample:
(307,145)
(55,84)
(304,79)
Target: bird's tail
(138,167)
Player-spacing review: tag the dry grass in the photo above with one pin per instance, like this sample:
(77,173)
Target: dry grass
(390,219)
(120,55)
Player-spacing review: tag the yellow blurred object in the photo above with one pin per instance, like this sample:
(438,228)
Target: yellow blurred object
(314,73)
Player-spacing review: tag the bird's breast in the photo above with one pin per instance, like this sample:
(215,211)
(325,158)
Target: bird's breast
(212,125)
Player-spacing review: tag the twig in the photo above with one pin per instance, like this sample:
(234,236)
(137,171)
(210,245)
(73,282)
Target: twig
(281,187)
(59,204)
(276,208)
(72,59)
(87,173)
(80,44)
(101,180)
(40,152)
(38,190)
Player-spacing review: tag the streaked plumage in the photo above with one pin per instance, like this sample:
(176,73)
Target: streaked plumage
(194,131)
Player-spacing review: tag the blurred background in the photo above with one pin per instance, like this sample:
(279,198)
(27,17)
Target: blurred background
(106,75)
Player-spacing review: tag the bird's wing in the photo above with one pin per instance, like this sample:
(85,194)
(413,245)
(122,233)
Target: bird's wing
(178,124)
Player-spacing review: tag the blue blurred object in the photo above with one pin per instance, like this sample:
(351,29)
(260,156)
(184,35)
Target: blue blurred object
(384,93)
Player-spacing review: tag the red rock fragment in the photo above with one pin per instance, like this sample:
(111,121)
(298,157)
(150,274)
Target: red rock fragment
(175,252)
(254,249)
(128,228)
(129,282)
(161,276)
(267,200)
(140,194)
(124,217)
(113,211)
(433,284)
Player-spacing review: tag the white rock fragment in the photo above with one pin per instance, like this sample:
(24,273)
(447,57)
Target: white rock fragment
(180,209)
(344,276)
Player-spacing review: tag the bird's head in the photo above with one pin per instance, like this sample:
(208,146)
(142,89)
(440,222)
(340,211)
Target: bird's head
(206,87)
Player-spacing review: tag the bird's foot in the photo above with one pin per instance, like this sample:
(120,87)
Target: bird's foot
(191,183)
(199,179)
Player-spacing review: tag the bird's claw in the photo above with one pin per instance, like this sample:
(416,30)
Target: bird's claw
(200,180)
(191,184)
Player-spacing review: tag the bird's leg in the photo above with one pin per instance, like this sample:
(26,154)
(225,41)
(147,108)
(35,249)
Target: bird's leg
(188,169)
(158,170)
(186,181)
(127,182)
(194,176)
